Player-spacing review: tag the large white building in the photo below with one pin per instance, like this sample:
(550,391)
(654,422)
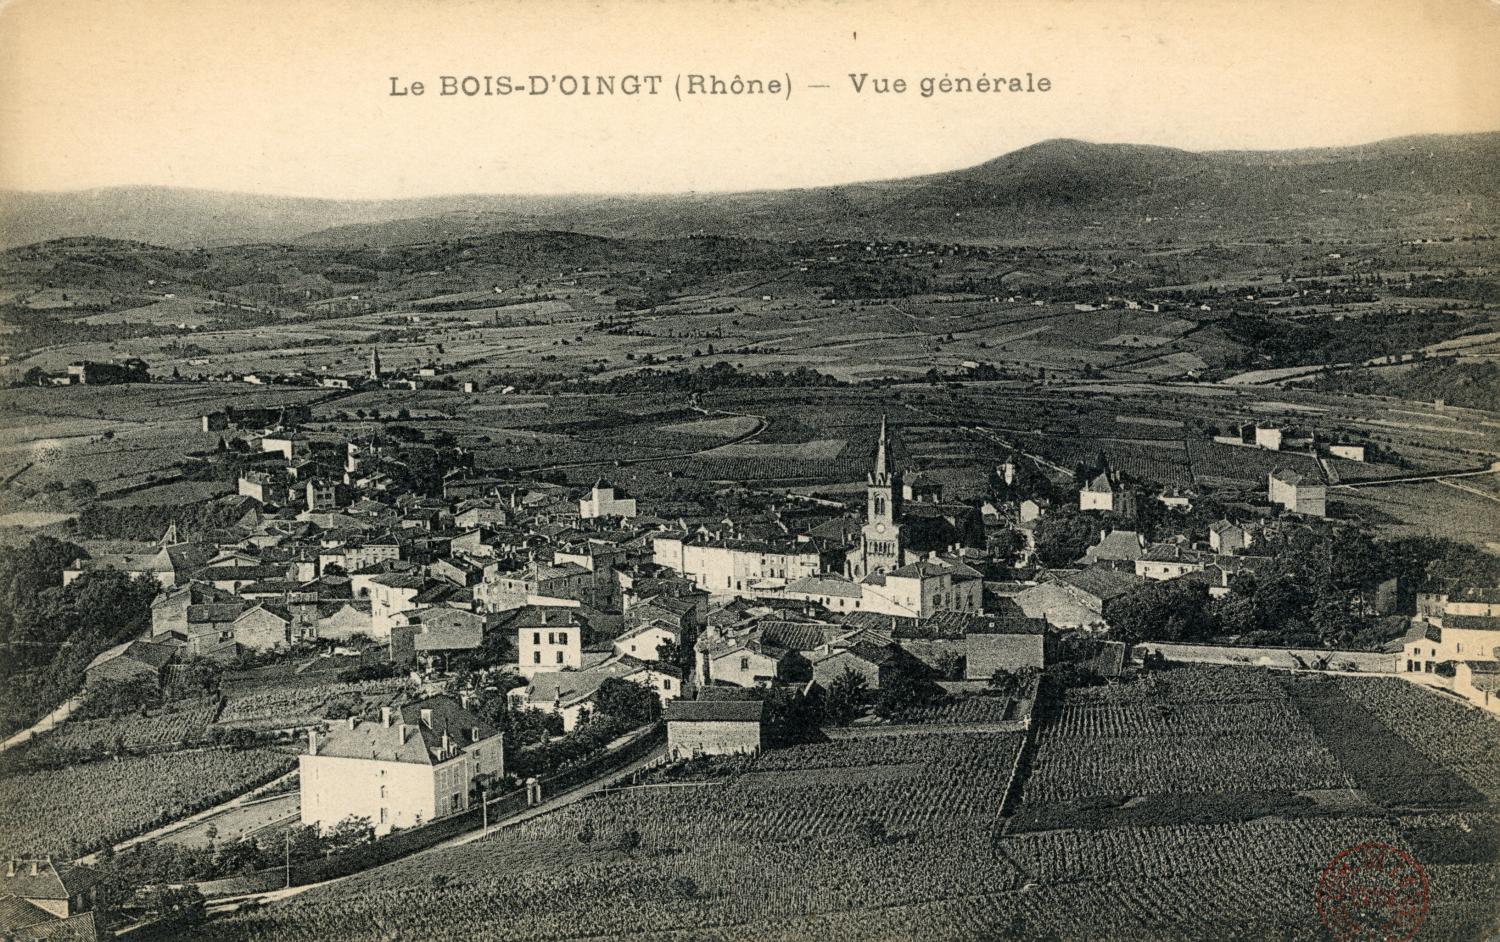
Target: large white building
(919,589)
(736,568)
(415,764)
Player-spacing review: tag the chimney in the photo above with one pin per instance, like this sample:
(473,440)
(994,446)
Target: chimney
(10,867)
(353,720)
(36,867)
(447,745)
(405,732)
(312,742)
(385,716)
(473,734)
(427,718)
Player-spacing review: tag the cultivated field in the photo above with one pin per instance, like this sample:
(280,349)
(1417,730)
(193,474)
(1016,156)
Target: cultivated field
(84,807)
(1195,803)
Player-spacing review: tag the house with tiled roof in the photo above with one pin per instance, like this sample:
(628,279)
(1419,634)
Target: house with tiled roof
(1077,600)
(130,661)
(22,921)
(1115,546)
(416,763)
(169,565)
(200,614)
(264,627)
(1298,493)
(43,899)
(643,639)
(1170,560)
(873,662)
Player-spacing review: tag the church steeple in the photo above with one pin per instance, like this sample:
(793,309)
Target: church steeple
(375,363)
(882,472)
(880,538)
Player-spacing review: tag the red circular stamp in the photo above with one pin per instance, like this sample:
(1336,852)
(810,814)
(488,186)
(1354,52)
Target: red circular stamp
(1372,892)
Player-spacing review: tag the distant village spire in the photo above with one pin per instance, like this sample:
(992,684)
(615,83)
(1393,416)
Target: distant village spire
(375,363)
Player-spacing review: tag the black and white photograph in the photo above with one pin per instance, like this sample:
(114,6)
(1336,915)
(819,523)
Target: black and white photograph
(750,471)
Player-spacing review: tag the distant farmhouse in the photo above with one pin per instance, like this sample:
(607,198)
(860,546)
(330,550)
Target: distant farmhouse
(1297,492)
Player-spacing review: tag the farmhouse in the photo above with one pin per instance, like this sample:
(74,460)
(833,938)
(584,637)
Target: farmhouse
(875,663)
(417,763)
(168,565)
(133,660)
(201,614)
(569,694)
(1107,493)
(1228,538)
(713,727)
(1298,493)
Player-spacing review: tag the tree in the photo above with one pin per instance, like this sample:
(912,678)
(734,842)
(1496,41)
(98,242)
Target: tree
(902,691)
(586,833)
(846,695)
(631,703)
(1010,683)
(628,842)
(1063,536)
(871,831)
(175,907)
(1174,610)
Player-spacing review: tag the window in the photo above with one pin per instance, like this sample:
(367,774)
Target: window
(744,663)
(666,683)
(551,637)
(559,657)
(536,657)
(382,791)
(382,815)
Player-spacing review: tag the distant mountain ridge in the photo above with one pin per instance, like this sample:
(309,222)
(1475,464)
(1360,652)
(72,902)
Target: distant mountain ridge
(1058,189)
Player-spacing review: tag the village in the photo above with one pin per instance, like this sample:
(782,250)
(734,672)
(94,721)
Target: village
(503,642)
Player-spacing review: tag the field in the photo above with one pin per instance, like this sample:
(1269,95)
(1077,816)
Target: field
(84,807)
(299,704)
(1118,834)
(183,722)
(781,842)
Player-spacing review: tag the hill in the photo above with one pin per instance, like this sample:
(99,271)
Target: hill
(1061,189)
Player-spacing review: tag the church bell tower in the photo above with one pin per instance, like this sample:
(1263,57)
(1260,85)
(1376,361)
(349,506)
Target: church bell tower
(880,539)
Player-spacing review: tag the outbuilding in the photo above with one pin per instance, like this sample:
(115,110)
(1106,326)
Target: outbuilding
(713,727)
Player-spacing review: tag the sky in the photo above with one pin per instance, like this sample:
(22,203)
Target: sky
(294,96)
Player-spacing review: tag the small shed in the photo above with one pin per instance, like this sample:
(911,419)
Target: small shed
(713,727)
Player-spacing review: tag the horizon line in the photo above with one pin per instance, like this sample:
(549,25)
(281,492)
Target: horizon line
(649,194)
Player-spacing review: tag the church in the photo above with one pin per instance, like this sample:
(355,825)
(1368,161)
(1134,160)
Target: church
(906,521)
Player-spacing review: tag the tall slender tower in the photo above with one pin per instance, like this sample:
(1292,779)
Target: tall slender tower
(880,538)
(375,363)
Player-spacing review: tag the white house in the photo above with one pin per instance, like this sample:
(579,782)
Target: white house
(391,594)
(603,502)
(551,640)
(415,764)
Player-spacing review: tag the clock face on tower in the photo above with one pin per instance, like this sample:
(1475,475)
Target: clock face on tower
(879,528)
